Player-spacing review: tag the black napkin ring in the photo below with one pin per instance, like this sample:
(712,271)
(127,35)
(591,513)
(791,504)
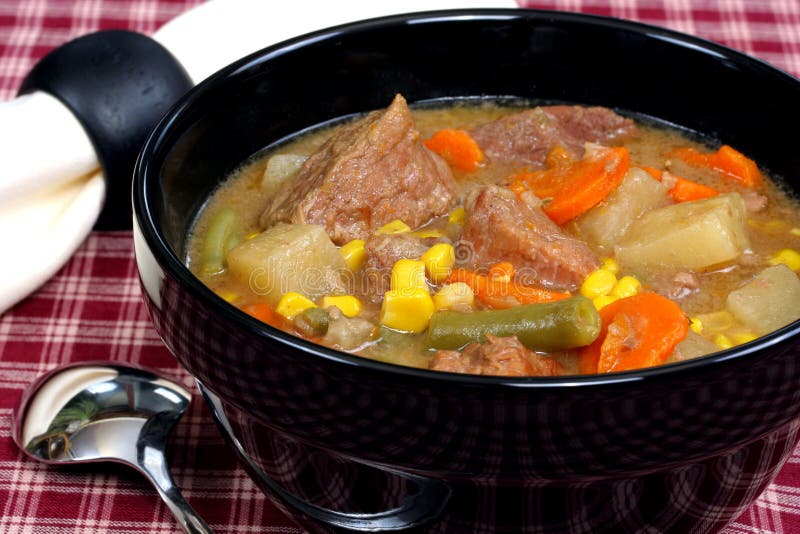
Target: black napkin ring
(118,84)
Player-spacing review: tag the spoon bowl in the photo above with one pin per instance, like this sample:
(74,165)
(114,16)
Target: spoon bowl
(96,412)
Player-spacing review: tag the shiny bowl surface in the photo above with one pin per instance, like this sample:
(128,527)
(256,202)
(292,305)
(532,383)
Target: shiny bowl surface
(345,442)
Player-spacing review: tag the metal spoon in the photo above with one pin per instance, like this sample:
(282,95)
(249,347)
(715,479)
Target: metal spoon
(106,412)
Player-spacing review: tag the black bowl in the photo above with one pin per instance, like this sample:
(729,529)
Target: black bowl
(342,441)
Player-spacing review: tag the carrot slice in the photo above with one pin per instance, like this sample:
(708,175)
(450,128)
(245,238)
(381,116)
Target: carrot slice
(684,190)
(526,294)
(637,332)
(477,282)
(589,185)
(727,160)
(658,174)
(575,188)
(544,184)
(498,290)
(265,314)
(503,269)
(735,164)
(691,156)
(457,147)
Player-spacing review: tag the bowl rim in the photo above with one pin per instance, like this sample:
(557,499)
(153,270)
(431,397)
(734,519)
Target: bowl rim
(146,176)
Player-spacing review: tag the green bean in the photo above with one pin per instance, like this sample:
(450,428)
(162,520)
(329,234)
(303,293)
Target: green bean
(232,240)
(548,326)
(217,239)
(312,322)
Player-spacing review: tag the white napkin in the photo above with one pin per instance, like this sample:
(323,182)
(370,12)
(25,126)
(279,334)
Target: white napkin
(51,188)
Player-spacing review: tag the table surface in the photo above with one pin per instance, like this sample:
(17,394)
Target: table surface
(92,309)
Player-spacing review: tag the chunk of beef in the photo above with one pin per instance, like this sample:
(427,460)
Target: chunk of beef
(382,253)
(526,137)
(499,356)
(371,172)
(384,250)
(502,227)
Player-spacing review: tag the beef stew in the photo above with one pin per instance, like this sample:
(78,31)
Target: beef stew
(505,239)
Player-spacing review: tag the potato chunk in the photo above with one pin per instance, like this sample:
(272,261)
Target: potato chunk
(279,170)
(289,257)
(769,301)
(690,235)
(607,222)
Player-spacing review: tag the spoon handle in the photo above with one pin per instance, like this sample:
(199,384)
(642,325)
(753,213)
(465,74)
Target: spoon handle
(153,465)
(150,460)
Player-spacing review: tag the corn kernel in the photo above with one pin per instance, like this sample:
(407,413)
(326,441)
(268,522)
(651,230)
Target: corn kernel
(394,227)
(715,322)
(439,260)
(602,301)
(428,233)
(740,338)
(458,216)
(455,296)
(600,282)
(292,304)
(408,275)
(610,264)
(407,310)
(227,296)
(354,254)
(795,232)
(696,325)
(627,286)
(788,257)
(349,305)
(723,341)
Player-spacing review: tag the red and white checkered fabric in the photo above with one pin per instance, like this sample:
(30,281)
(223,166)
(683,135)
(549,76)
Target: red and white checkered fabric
(92,308)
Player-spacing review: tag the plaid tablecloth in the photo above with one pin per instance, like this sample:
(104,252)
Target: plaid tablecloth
(92,308)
